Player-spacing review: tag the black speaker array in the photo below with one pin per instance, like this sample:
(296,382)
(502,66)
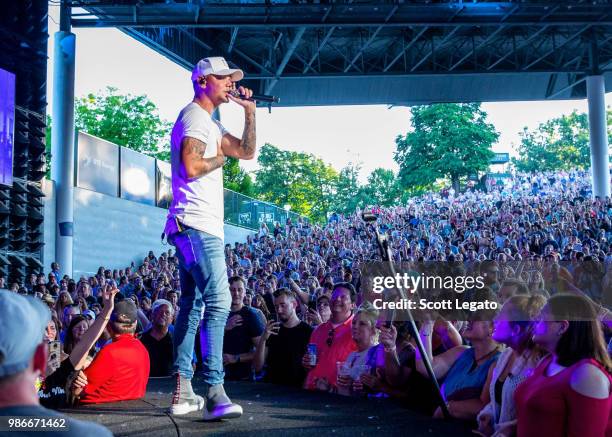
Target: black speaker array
(23,51)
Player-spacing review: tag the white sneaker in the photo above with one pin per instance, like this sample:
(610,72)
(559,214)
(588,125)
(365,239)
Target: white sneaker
(184,405)
(219,406)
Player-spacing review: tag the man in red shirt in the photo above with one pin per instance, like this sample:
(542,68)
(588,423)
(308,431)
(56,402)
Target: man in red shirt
(120,371)
(333,339)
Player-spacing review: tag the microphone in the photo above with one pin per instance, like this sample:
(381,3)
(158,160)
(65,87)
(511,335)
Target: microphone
(256,97)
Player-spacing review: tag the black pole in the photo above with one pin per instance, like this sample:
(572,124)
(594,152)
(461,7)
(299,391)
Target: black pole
(385,253)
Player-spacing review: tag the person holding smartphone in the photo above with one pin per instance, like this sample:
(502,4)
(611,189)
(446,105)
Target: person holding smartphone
(283,343)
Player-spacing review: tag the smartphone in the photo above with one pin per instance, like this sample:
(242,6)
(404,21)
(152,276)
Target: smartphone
(55,353)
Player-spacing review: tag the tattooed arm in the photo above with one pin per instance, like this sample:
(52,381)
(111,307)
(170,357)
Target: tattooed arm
(242,148)
(192,156)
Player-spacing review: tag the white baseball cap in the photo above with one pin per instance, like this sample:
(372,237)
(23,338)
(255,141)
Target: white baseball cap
(22,326)
(215,65)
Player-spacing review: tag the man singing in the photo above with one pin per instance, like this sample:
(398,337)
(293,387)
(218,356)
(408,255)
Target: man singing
(200,147)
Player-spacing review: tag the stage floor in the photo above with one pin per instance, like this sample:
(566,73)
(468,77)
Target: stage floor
(269,410)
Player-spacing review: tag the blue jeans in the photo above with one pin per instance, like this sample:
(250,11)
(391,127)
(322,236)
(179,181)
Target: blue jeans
(204,284)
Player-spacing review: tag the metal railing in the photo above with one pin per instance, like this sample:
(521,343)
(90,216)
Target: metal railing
(247,212)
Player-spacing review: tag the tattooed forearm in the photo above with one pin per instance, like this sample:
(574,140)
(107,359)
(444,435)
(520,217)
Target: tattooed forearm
(192,156)
(248,137)
(193,149)
(211,164)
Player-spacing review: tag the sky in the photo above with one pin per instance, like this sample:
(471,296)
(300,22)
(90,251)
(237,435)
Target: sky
(336,134)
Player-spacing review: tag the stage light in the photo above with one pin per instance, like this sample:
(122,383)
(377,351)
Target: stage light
(136,182)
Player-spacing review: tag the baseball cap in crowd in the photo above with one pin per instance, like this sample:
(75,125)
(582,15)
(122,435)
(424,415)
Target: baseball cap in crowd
(322,298)
(160,302)
(22,326)
(215,65)
(48,299)
(90,314)
(125,311)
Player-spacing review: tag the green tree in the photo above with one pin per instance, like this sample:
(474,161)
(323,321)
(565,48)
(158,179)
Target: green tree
(298,179)
(448,141)
(348,194)
(48,146)
(236,179)
(561,143)
(382,188)
(126,120)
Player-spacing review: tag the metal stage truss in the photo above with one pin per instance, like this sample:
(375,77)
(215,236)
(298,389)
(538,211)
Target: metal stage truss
(380,52)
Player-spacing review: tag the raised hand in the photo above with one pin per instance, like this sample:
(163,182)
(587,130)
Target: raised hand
(246,93)
(108,295)
(388,336)
(272,328)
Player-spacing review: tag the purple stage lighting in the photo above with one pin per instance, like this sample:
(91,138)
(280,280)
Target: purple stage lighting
(7,126)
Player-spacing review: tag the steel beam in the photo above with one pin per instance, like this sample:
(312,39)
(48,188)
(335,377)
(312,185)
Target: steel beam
(286,58)
(321,45)
(481,45)
(441,44)
(232,22)
(519,47)
(566,88)
(369,41)
(405,49)
(554,49)
(233,39)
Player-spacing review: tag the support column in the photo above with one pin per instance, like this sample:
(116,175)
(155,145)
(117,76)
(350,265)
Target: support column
(600,172)
(62,138)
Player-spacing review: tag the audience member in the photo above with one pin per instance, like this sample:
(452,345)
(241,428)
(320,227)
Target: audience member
(120,370)
(158,340)
(24,360)
(333,340)
(569,392)
(242,333)
(283,343)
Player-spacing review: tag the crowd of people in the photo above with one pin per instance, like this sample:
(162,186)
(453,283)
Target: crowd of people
(302,314)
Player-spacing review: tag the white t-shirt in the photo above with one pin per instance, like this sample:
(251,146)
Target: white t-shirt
(197,202)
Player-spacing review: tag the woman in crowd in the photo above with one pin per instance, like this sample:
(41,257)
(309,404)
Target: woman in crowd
(259,303)
(465,370)
(367,358)
(53,329)
(82,303)
(63,301)
(400,379)
(569,392)
(52,390)
(513,327)
(78,326)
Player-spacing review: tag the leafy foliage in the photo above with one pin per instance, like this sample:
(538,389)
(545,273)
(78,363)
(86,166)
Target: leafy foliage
(448,141)
(298,179)
(382,188)
(348,193)
(126,120)
(560,143)
(236,179)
